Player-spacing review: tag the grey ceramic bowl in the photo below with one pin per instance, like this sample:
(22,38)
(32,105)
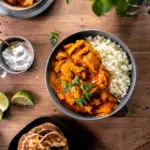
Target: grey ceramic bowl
(81,35)
(5,4)
(3,46)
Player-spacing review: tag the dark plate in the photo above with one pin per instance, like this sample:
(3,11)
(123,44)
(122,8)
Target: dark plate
(29,13)
(75,143)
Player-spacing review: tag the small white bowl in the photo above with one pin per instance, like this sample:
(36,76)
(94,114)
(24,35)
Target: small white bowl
(5,4)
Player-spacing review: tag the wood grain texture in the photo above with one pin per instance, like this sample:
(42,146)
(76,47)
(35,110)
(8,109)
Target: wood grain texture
(127,130)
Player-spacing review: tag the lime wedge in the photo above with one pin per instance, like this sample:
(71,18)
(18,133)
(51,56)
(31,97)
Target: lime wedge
(4,102)
(1,115)
(22,98)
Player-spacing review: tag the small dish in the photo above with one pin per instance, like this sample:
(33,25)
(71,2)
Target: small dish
(74,141)
(10,40)
(38,8)
(5,4)
(82,35)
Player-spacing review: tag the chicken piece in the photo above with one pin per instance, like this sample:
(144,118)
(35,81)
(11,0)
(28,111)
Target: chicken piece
(77,59)
(66,71)
(69,98)
(88,109)
(112,99)
(90,48)
(82,51)
(104,96)
(92,62)
(68,46)
(11,2)
(69,68)
(53,78)
(95,102)
(28,3)
(56,86)
(106,109)
(77,70)
(61,55)
(77,92)
(58,65)
(75,46)
(84,75)
(96,91)
(60,94)
(84,109)
(103,79)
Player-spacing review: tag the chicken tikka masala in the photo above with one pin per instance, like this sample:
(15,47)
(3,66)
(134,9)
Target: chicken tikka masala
(22,3)
(80,81)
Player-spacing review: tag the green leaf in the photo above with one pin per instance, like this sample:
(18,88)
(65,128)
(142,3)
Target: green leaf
(62,82)
(133,2)
(87,95)
(68,1)
(76,80)
(148,2)
(100,7)
(54,36)
(122,6)
(87,86)
(79,102)
(67,87)
(84,99)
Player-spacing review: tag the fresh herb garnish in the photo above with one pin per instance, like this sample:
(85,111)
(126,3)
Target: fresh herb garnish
(85,98)
(76,80)
(86,87)
(54,36)
(68,86)
(68,1)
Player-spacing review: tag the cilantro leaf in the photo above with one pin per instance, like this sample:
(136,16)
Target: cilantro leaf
(54,36)
(67,86)
(83,100)
(76,80)
(79,101)
(87,86)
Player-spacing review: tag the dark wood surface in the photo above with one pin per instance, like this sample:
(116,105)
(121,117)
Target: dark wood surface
(127,130)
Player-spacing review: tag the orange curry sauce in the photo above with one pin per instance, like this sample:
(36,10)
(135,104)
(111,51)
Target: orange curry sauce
(79,59)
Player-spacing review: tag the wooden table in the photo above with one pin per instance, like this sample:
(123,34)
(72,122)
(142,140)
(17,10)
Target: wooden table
(128,130)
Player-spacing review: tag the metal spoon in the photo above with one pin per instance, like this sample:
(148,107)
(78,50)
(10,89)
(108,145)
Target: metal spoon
(5,42)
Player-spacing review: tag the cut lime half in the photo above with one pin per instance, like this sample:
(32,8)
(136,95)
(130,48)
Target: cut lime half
(1,115)
(22,98)
(4,102)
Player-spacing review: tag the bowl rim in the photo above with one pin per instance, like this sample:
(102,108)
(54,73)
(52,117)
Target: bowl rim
(7,5)
(33,54)
(125,48)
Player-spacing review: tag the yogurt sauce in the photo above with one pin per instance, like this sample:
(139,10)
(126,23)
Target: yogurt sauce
(17,56)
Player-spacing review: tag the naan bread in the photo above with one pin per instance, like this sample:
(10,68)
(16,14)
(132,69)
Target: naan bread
(43,137)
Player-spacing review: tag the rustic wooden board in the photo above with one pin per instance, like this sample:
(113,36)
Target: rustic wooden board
(127,130)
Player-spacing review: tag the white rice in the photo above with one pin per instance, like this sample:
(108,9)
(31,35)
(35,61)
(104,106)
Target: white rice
(116,62)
